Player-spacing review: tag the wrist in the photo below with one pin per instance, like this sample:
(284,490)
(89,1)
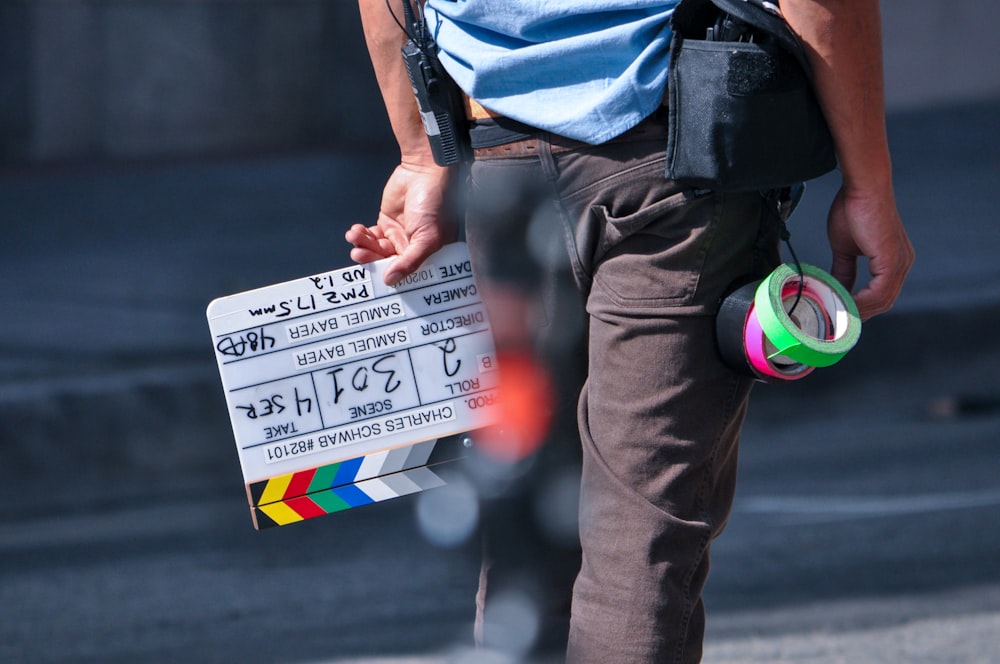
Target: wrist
(424,164)
(869,187)
(870,175)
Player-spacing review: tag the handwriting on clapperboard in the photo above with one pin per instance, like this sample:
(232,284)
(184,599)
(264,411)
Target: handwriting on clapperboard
(238,345)
(335,288)
(384,369)
(447,349)
(274,404)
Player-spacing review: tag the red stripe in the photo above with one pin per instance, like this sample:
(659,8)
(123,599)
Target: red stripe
(305,507)
(299,485)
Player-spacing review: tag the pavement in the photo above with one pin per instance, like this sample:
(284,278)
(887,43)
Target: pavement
(109,391)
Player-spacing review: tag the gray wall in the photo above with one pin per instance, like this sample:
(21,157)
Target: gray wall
(940,52)
(139,78)
(86,79)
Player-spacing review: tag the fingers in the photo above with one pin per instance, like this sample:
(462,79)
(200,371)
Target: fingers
(875,298)
(845,270)
(365,256)
(888,275)
(888,272)
(369,243)
(362,237)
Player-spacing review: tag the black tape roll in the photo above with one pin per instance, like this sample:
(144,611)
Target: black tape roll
(731,335)
(730,323)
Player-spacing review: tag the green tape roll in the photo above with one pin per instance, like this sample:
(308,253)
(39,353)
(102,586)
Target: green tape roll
(786,336)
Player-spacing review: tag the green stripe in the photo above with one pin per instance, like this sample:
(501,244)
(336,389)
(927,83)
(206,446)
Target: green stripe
(323,479)
(330,502)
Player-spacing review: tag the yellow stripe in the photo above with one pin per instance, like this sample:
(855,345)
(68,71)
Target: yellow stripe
(281,513)
(275,489)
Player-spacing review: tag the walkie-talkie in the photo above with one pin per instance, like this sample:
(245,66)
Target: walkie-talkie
(442,109)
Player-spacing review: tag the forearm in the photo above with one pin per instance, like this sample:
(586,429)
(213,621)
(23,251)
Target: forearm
(385,39)
(843,40)
(413,221)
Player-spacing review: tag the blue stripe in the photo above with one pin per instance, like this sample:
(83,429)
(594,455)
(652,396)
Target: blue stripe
(353,496)
(348,471)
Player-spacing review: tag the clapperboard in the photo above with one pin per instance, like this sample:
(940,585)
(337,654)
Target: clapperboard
(343,391)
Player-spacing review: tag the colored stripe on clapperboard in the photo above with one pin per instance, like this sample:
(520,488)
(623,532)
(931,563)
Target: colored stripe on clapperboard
(363,480)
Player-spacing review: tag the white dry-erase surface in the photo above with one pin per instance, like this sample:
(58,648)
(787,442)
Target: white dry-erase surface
(343,391)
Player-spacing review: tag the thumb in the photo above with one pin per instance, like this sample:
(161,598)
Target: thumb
(407,262)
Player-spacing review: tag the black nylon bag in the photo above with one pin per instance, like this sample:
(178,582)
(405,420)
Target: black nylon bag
(742,114)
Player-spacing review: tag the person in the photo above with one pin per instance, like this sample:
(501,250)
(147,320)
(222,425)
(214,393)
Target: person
(567,187)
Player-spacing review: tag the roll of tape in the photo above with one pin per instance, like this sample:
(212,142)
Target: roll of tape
(805,308)
(800,339)
(730,324)
(811,318)
(742,343)
(757,350)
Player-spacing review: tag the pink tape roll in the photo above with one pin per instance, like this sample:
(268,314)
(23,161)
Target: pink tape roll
(757,354)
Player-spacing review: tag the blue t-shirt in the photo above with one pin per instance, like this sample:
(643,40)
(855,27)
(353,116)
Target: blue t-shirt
(585,69)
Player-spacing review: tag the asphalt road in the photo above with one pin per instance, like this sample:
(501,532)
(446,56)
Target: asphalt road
(864,532)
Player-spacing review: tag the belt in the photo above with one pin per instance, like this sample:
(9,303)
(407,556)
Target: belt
(653,127)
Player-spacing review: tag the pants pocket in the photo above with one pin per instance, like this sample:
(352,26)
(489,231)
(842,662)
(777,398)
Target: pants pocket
(678,255)
(654,257)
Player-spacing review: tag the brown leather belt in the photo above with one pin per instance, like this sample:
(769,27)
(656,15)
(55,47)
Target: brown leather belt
(653,127)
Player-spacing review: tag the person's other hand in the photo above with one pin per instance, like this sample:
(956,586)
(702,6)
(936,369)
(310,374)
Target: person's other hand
(868,224)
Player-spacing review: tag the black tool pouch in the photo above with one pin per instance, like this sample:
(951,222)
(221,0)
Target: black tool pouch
(743,115)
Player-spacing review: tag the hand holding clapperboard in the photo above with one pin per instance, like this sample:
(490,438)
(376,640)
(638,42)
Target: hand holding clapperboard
(343,391)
